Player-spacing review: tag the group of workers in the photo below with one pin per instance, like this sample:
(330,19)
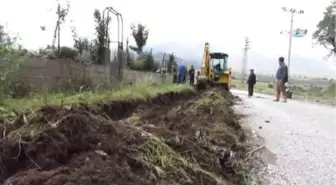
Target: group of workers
(281,77)
(180,73)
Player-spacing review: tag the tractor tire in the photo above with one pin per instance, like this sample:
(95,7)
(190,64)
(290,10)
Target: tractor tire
(227,87)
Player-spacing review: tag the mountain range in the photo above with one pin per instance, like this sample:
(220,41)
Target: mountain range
(300,66)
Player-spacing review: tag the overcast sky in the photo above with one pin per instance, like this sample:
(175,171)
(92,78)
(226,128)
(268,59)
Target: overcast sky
(221,22)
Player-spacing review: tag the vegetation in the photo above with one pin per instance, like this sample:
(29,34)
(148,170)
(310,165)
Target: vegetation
(325,33)
(80,43)
(140,35)
(11,59)
(102,33)
(145,60)
(301,92)
(171,63)
(67,52)
(122,92)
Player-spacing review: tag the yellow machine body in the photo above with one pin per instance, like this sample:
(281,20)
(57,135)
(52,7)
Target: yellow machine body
(214,70)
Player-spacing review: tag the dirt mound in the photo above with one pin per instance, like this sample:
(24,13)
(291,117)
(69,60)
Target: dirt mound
(201,129)
(58,154)
(174,138)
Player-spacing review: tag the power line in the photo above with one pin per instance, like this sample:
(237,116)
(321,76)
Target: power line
(292,11)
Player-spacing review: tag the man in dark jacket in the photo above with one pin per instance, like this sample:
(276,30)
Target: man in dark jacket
(251,81)
(191,75)
(174,73)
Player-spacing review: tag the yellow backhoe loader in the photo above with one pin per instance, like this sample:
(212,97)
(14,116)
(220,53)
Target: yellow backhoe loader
(214,70)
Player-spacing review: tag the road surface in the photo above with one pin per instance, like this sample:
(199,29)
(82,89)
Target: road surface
(301,137)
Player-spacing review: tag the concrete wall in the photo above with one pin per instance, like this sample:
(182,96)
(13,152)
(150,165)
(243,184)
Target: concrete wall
(53,73)
(139,76)
(49,73)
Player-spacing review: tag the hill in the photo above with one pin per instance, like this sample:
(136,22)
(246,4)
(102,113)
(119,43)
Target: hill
(300,66)
(159,56)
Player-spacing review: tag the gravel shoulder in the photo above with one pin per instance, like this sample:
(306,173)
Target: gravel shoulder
(299,138)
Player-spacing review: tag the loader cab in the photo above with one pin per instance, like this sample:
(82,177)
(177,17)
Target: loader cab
(219,62)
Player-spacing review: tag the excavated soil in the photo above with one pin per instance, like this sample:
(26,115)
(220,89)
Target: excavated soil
(174,138)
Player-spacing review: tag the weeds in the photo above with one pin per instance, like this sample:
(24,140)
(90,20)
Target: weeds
(163,162)
(245,175)
(131,92)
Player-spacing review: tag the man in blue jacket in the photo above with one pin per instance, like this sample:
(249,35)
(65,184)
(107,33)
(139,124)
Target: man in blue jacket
(282,78)
(181,72)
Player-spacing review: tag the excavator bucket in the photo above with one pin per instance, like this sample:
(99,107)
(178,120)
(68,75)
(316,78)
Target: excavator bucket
(201,83)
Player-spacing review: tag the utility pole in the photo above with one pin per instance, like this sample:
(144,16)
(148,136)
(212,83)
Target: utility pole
(127,55)
(163,68)
(57,31)
(246,48)
(292,11)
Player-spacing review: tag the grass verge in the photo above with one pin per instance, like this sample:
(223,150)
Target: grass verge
(130,92)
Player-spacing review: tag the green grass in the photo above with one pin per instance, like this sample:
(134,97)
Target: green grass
(301,92)
(137,91)
(260,87)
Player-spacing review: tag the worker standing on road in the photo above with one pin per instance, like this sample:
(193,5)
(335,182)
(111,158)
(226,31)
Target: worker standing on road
(251,81)
(191,75)
(282,78)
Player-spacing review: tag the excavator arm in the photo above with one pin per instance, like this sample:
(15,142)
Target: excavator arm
(204,73)
(205,69)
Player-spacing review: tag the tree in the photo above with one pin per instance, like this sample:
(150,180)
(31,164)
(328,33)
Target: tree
(149,62)
(61,15)
(11,59)
(102,33)
(80,43)
(325,33)
(171,63)
(140,35)
(3,34)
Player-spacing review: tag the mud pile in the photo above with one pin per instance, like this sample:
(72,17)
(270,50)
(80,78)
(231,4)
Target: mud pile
(174,138)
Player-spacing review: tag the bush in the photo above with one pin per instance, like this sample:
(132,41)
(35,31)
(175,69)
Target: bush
(137,65)
(331,90)
(11,59)
(67,52)
(145,62)
(18,89)
(149,63)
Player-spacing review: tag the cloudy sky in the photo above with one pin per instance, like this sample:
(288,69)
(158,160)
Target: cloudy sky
(223,23)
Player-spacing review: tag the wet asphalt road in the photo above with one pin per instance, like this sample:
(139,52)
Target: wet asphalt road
(301,137)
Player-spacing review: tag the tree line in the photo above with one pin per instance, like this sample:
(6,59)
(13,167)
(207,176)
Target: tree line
(325,32)
(95,49)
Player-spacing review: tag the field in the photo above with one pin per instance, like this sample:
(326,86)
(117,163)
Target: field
(139,134)
(323,92)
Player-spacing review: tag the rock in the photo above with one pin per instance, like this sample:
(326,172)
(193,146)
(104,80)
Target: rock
(101,152)
(226,158)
